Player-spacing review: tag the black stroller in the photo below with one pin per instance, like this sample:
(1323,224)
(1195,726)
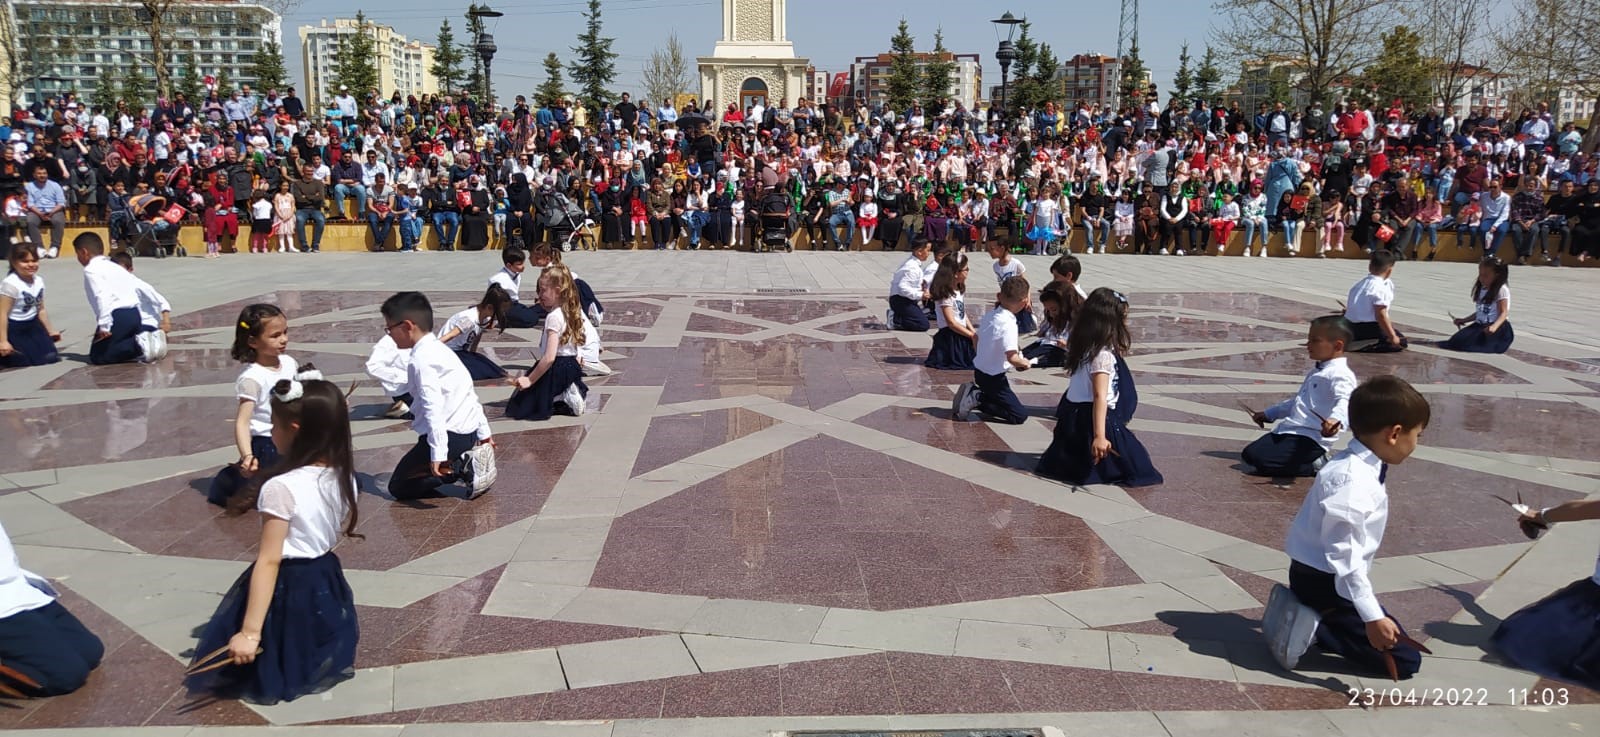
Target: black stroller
(144,230)
(775,212)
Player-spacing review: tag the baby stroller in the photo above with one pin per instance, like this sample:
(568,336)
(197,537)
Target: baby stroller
(569,226)
(775,210)
(149,227)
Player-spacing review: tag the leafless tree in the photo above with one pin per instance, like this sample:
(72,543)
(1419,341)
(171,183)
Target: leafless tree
(1453,41)
(1549,46)
(1327,40)
(667,72)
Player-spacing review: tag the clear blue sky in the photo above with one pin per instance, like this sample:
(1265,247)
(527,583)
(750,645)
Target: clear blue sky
(830,32)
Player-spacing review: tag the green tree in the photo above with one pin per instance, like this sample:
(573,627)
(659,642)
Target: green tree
(936,75)
(1183,81)
(1208,78)
(225,85)
(905,79)
(551,90)
(105,93)
(1399,71)
(446,58)
(1133,74)
(353,62)
(268,67)
(1024,92)
(1048,85)
(474,76)
(594,67)
(189,81)
(135,88)
(1278,87)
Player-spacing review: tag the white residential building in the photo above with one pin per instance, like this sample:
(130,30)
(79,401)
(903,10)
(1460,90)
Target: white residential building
(403,64)
(869,77)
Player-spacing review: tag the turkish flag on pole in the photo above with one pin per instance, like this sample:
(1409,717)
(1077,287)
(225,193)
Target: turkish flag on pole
(840,81)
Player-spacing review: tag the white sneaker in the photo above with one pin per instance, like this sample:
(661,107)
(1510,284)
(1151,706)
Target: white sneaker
(596,368)
(477,469)
(158,344)
(888,319)
(1180,252)
(574,400)
(397,410)
(1163,251)
(596,316)
(1290,626)
(146,349)
(54,252)
(965,401)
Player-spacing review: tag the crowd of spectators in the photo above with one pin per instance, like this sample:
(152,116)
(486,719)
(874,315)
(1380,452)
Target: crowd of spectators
(1182,178)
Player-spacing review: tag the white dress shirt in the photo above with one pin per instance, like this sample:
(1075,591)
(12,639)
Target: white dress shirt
(443,398)
(1364,299)
(907,280)
(390,366)
(997,336)
(1325,392)
(509,281)
(151,303)
(110,288)
(20,591)
(1340,525)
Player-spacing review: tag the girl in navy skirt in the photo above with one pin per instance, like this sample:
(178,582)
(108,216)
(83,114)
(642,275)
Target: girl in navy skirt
(1092,444)
(1061,302)
(464,329)
(543,256)
(956,343)
(557,379)
(260,337)
(1559,636)
(26,337)
(289,622)
(1488,329)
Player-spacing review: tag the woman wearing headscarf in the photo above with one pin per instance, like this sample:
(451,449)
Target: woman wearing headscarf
(519,197)
(476,207)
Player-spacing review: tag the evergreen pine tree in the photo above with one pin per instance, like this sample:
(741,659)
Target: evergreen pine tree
(354,62)
(1024,89)
(135,88)
(268,68)
(936,75)
(1048,85)
(1132,75)
(1183,81)
(104,97)
(551,90)
(1399,72)
(190,83)
(473,84)
(905,79)
(595,65)
(1208,78)
(446,59)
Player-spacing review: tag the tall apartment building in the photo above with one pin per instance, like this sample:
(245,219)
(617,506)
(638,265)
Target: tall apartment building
(222,36)
(1091,78)
(869,77)
(403,64)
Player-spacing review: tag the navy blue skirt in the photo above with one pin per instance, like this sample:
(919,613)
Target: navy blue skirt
(309,636)
(480,366)
(32,345)
(229,481)
(1050,355)
(1025,323)
(951,351)
(1475,339)
(1557,637)
(538,402)
(1068,458)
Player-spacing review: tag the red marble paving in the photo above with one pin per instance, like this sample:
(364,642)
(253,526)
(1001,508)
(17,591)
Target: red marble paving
(1153,328)
(823,522)
(294,303)
(629,313)
(136,685)
(1413,366)
(699,322)
(1496,424)
(195,367)
(1589,366)
(116,430)
(171,516)
(1245,304)
(675,437)
(1432,506)
(787,311)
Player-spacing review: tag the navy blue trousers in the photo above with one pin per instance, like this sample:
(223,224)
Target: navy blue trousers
(908,315)
(524,316)
(1280,454)
(50,646)
(996,399)
(1342,631)
(123,345)
(413,476)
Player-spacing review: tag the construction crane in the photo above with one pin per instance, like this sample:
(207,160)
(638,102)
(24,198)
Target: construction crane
(1127,39)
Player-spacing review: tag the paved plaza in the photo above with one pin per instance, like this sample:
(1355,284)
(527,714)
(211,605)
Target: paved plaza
(773,523)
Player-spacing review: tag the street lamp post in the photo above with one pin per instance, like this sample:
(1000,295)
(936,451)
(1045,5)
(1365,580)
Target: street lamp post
(1006,54)
(485,47)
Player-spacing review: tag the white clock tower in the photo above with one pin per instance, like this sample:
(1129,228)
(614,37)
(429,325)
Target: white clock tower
(754,60)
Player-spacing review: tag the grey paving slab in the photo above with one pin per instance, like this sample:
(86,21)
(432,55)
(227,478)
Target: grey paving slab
(1262,724)
(888,631)
(521,729)
(713,654)
(760,620)
(1015,610)
(642,609)
(625,661)
(1153,561)
(1484,564)
(1121,604)
(458,680)
(1166,656)
(392,589)
(471,557)
(1216,591)
(527,600)
(370,692)
(1033,644)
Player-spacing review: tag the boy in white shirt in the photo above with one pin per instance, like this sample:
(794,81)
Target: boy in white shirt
(114,300)
(989,391)
(155,312)
(1312,419)
(449,420)
(1367,308)
(907,290)
(1336,534)
(509,277)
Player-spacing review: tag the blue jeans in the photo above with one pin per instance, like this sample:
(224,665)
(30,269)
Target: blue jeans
(380,225)
(1252,228)
(319,221)
(1487,242)
(447,235)
(1291,234)
(696,220)
(340,191)
(1091,224)
(848,220)
(1417,229)
(1554,226)
(410,233)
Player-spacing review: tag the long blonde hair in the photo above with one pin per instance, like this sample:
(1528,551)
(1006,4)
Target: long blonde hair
(571,307)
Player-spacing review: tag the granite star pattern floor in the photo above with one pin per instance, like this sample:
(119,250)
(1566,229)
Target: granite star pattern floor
(772,513)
